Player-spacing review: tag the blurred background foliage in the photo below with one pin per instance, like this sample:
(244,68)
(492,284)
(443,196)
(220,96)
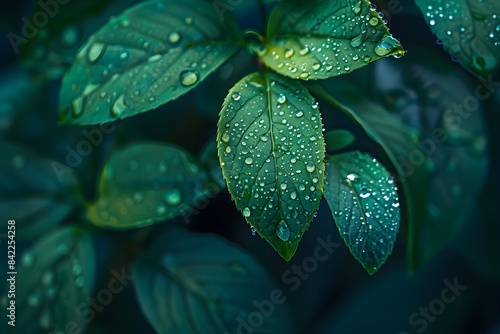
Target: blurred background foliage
(395,105)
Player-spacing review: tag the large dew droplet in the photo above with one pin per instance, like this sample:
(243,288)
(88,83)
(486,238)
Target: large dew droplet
(246,212)
(77,105)
(189,77)
(283,231)
(119,107)
(95,52)
(386,46)
(174,37)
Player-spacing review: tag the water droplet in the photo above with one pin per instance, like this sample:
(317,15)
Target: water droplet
(386,46)
(316,66)
(373,21)
(304,75)
(95,52)
(119,107)
(284,186)
(299,113)
(154,58)
(357,41)
(236,96)
(281,98)
(124,55)
(246,212)
(225,137)
(352,177)
(189,20)
(289,53)
(264,138)
(395,205)
(293,195)
(357,8)
(173,196)
(432,22)
(364,193)
(249,161)
(304,51)
(283,231)
(77,105)
(228,149)
(310,167)
(174,37)
(189,77)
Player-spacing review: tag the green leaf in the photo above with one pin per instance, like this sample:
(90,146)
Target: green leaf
(37,193)
(199,283)
(397,141)
(364,202)
(319,39)
(54,281)
(271,150)
(468,29)
(146,183)
(51,52)
(149,55)
(339,139)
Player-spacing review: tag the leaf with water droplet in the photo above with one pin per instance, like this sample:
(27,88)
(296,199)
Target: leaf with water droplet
(468,30)
(274,152)
(327,37)
(46,53)
(147,183)
(397,141)
(365,209)
(163,52)
(38,192)
(338,139)
(47,290)
(206,281)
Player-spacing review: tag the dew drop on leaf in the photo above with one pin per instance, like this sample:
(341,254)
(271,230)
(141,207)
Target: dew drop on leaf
(283,231)
(95,52)
(189,77)
(174,37)
(246,212)
(119,107)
